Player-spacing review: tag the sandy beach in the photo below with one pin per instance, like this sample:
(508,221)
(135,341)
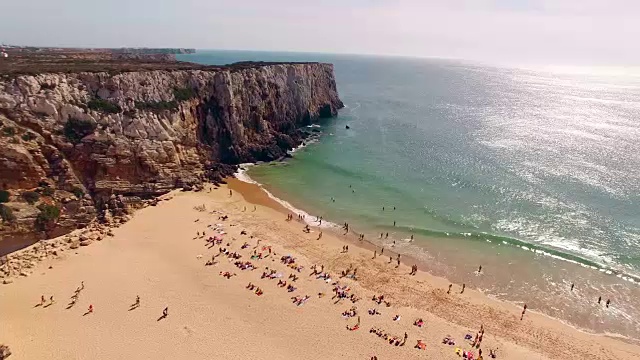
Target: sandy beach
(160,255)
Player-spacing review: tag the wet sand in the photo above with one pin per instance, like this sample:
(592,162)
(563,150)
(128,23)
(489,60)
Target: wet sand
(158,256)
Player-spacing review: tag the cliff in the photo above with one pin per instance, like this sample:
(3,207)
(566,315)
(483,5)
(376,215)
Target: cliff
(86,145)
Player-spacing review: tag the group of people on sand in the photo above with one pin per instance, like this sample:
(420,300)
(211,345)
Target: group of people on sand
(75,296)
(393,340)
(256,290)
(340,291)
(380,300)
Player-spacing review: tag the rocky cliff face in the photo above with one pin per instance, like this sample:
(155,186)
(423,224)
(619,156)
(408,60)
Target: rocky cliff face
(78,146)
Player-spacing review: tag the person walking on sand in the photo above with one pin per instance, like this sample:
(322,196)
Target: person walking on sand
(480,269)
(599,299)
(137,303)
(319,236)
(608,302)
(165,312)
(411,238)
(463,286)
(524,309)
(42,300)
(230,193)
(449,291)
(572,285)
(382,250)
(90,311)
(51,300)
(375,253)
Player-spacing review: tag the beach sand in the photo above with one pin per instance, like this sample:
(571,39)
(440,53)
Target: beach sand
(157,256)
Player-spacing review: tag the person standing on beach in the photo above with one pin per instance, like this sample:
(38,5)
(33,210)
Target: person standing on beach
(608,302)
(375,253)
(165,312)
(319,236)
(411,238)
(230,193)
(41,299)
(386,236)
(51,299)
(90,311)
(382,250)
(449,291)
(599,299)
(572,285)
(479,269)
(524,309)
(463,286)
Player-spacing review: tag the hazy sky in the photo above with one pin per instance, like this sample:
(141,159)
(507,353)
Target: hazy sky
(526,31)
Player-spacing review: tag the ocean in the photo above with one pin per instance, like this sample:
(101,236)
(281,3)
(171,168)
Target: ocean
(532,173)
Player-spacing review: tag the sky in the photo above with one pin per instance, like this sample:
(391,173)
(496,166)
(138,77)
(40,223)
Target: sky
(507,31)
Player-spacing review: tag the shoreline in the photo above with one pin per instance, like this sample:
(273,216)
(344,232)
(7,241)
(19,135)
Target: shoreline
(557,253)
(274,202)
(156,255)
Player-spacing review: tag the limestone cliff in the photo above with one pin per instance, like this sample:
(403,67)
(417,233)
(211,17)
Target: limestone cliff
(76,146)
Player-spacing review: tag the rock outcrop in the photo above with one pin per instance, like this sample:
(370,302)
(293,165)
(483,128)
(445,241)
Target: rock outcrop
(96,144)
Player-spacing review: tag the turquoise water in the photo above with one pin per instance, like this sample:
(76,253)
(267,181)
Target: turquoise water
(534,173)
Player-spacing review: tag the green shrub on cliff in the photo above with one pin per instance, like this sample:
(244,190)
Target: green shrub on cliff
(6,213)
(48,191)
(28,136)
(78,192)
(76,129)
(104,105)
(31,197)
(48,215)
(4,196)
(183,94)
(8,131)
